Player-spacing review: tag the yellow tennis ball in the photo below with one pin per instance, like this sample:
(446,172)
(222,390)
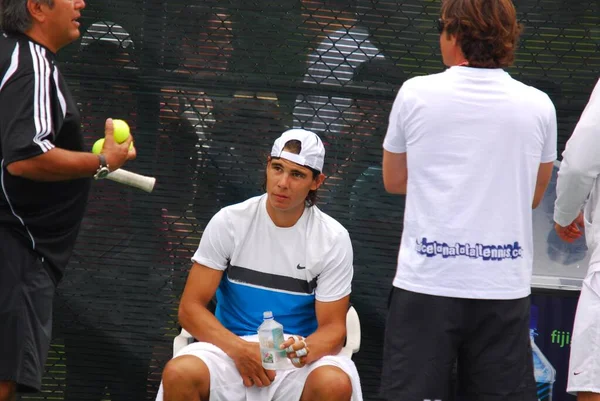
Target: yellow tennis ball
(98,145)
(121,131)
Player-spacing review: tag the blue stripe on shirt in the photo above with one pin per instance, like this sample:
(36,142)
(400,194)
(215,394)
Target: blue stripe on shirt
(240,309)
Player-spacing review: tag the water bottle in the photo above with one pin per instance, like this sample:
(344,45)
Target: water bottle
(270,336)
(544,373)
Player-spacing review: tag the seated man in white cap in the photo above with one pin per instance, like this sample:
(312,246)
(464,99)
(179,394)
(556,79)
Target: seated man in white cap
(276,252)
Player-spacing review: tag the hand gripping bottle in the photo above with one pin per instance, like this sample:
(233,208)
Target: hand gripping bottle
(544,373)
(270,336)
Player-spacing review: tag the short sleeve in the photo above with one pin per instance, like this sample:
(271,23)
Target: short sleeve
(217,243)
(395,137)
(26,126)
(335,282)
(549,150)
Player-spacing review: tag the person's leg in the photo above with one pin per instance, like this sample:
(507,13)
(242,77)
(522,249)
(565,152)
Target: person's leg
(202,371)
(586,396)
(26,297)
(7,391)
(327,383)
(584,360)
(186,378)
(10,336)
(331,377)
(422,336)
(495,361)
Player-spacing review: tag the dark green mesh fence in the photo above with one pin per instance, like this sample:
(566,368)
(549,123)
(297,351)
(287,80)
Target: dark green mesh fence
(206,87)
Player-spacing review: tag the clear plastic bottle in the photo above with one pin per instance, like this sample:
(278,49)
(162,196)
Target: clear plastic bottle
(544,372)
(270,336)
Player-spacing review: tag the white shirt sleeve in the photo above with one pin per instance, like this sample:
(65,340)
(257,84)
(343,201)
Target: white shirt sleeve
(395,137)
(217,243)
(580,166)
(549,151)
(335,281)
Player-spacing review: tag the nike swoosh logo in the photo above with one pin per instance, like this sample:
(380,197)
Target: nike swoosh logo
(577,373)
(300,267)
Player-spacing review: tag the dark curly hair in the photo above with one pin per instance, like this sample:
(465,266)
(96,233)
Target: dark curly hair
(486,30)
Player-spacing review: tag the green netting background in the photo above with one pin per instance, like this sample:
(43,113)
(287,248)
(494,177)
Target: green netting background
(206,87)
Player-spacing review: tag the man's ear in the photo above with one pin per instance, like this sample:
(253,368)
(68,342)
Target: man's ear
(454,39)
(317,182)
(37,10)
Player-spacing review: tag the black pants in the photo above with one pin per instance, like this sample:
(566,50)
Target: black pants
(426,336)
(26,294)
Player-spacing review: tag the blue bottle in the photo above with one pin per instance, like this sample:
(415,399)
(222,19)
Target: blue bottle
(544,373)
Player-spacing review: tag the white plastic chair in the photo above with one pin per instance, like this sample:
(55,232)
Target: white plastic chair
(351,347)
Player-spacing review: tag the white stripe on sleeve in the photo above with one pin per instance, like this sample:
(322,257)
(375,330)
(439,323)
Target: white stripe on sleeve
(14,64)
(61,97)
(41,108)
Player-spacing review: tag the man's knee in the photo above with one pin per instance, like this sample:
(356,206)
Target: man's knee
(585,396)
(186,372)
(7,391)
(327,383)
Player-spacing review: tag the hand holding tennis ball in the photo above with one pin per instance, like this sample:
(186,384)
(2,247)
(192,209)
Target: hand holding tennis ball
(99,145)
(117,145)
(120,133)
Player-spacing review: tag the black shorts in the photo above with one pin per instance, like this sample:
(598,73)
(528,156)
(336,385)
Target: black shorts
(26,294)
(436,347)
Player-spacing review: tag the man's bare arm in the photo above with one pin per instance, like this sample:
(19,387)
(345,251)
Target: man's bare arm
(543,179)
(330,335)
(61,164)
(395,172)
(199,289)
(201,286)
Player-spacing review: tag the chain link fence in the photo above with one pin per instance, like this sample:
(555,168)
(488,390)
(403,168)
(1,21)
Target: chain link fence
(206,87)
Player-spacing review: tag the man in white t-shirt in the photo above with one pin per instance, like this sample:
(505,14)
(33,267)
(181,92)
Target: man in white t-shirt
(276,252)
(473,151)
(577,188)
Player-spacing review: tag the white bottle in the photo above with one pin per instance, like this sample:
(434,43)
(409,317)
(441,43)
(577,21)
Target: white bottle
(270,336)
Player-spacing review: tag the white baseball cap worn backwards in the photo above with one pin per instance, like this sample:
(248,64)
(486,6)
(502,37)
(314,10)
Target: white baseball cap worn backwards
(312,152)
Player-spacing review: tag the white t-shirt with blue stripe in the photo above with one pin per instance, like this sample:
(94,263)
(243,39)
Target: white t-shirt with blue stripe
(284,270)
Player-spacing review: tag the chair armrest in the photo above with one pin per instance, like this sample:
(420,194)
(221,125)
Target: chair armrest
(183,339)
(353,334)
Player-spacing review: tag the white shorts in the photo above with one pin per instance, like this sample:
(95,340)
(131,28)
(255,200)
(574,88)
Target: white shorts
(584,363)
(226,382)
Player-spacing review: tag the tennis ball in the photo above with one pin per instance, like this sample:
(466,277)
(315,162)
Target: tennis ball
(98,145)
(121,131)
